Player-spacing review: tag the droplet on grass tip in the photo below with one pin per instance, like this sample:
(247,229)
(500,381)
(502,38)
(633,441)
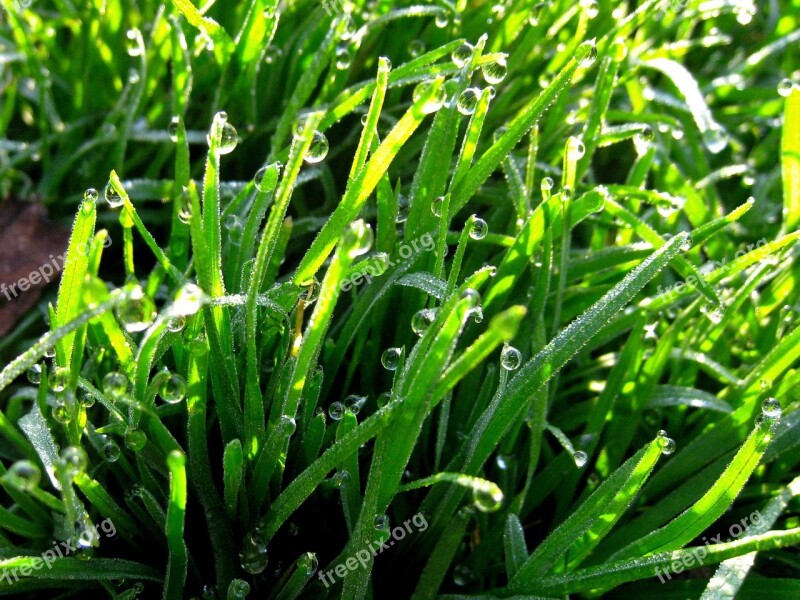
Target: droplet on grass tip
(336,411)
(390,358)
(771,408)
(478,228)
(580,457)
(422,320)
(487,496)
(462,54)
(666,443)
(495,72)
(510,358)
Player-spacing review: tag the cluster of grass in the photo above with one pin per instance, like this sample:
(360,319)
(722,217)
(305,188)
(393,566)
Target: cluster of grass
(514,282)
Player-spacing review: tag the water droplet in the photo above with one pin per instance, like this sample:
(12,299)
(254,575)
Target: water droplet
(111,451)
(74,460)
(510,358)
(23,474)
(341,478)
(336,411)
(308,564)
(86,399)
(318,149)
(343,57)
(422,320)
(495,72)
(666,443)
(462,575)
(238,589)
(91,195)
(287,425)
(468,101)
(586,54)
(358,238)
(172,387)
(771,408)
(61,411)
(575,148)
(172,128)
(135,439)
(132,42)
(591,7)
(354,403)
(383,399)
(59,379)
(547,184)
(253,556)
(478,228)
(436,206)
(487,496)
(715,140)
(686,245)
(310,291)
(228,139)
(403,208)
(462,54)
(115,385)
(536,13)
(137,314)
(566,194)
(112,196)
(580,457)
(785,87)
(177,324)
(35,373)
(442,19)
(472,297)
(381,523)
(390,358)
(416,48)
(434,103)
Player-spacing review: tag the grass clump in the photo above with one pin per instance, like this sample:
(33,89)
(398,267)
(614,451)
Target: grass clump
(405,300)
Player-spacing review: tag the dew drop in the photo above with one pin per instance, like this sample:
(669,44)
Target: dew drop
(434,103)
(416,48)
(510,358)
(35,373)
(586,54)
(23,474)
(132,42)
(318,149)
(468,101)
(785,87)
(536,13)
(422,320)
(487,496)
(442,19)
(253,556)
(137,314)
(478,228)
(287,425)
(343,57)
(358,238)
(135,439)
(715,140)
(112,196)
(238,589)
(436,206)
(74,460)
(172,388)
(575,149)
(111,451)
(547,184)
(381,523)
(580,457)
(59,379)
(172,128)
(177,324)
(91,195)
(383,399)
(462,54)
(390,358)
(341,478)
(591,7)
(495,72)
(666,443)
(61,411)
(336,411)
(771,408)
(115,385)
(308,564)
(228,139)
(310,291)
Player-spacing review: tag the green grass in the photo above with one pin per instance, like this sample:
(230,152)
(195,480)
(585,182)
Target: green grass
(517,283)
